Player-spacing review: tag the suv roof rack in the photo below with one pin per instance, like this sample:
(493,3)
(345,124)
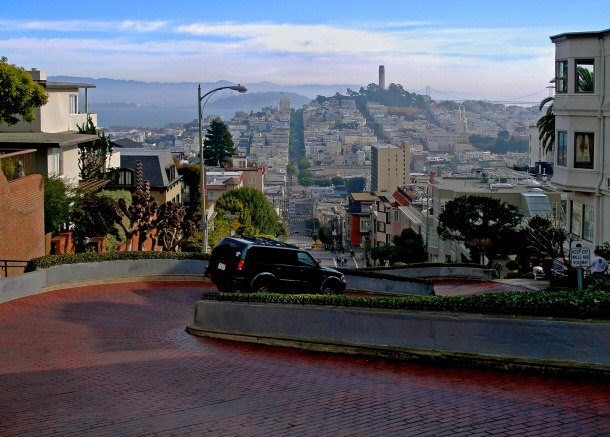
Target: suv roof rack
(268,242)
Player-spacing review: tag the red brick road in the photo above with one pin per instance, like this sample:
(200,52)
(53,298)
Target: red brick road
(114,360)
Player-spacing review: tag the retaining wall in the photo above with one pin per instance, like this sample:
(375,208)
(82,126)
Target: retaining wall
(73,275)
(493,341)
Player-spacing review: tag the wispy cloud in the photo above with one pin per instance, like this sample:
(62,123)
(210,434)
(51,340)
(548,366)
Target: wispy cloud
(85,25)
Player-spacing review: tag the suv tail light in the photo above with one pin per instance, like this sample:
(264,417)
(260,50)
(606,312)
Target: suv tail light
(240,264)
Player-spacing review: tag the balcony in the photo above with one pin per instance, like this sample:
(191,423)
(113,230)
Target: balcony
(15,165)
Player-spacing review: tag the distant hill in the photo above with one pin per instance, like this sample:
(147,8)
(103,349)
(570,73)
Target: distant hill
(155,104)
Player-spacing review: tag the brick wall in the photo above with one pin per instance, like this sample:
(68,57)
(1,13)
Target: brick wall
(22,218)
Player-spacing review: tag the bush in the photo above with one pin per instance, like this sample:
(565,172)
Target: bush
(44,262)
(592,303)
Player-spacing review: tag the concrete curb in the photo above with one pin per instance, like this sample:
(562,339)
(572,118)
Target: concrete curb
(544,345)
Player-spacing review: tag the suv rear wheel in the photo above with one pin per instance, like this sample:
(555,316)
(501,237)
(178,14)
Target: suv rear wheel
(330,289)
(262,286)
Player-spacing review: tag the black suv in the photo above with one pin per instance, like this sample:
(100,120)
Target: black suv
(261,265)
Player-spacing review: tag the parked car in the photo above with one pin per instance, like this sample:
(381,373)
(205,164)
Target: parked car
(260,265)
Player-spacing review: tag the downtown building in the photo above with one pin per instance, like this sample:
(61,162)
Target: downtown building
(390,166)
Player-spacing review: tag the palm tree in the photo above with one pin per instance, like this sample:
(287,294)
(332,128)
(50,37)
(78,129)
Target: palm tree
(546,125)
(585,79)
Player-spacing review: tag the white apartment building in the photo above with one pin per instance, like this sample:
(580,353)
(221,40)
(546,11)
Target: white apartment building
(582,127)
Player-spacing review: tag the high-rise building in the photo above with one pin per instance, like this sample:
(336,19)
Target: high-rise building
(382,77)
(284,103)
(390,166)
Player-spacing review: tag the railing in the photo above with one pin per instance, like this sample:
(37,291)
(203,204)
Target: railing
(17,164)
(5,264)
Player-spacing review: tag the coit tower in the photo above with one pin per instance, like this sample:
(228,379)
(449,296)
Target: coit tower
(382,77)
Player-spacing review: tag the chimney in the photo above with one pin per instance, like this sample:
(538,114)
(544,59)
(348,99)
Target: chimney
(37,75)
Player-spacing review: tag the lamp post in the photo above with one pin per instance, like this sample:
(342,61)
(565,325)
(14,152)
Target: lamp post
(204,212)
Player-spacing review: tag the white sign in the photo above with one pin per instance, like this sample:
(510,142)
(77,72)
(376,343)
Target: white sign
(580,257)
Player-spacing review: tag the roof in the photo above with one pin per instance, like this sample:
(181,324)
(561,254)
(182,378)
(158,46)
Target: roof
(126,142)
(580,35)
(66,85)
(43,139)
(364,197)
(154,163)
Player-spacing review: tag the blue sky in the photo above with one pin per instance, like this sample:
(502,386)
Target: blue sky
(496,50)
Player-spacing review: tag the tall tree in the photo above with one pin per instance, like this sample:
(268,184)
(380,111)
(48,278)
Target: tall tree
(546,125)
(263,218)
(19,94)
(480,222)
(409,247)
(93,216)
(92,156)
(355,185)
(218,147)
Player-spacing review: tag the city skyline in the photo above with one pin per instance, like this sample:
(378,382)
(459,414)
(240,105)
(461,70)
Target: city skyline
(497,52)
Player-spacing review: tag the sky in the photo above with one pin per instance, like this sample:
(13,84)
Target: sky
(491,49)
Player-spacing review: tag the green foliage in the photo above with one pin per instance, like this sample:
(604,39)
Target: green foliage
(604,250)
(382,252)
(92,156)
(480,222)
(218,146)
(592,303)
(303,163)
(306,178)
(546,125)
(356,185)
(44,262)
(250,204)
(19,94)
(337,180)
(325,235)
(322,182)
(57,199)
(8,167)
(93,215)
(291,170)
(408,247)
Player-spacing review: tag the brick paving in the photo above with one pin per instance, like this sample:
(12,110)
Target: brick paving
(113,360)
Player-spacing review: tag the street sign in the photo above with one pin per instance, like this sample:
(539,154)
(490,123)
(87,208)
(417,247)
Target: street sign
(580,257)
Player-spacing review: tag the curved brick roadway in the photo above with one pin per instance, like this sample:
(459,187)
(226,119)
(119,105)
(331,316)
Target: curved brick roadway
(115,360)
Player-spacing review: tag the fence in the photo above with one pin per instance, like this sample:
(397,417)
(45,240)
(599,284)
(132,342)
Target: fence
(6,264)
(17,164)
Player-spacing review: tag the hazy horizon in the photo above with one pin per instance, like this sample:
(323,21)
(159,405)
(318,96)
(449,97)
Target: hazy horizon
(498,51)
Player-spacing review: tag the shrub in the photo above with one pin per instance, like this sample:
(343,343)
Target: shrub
(44,262)
(592,303)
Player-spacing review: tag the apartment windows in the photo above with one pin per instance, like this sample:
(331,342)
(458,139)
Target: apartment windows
(585,75)
(54,162)
(587,223)
(562,148)
(576,219)
(73,104)
(561,76)
(583,150)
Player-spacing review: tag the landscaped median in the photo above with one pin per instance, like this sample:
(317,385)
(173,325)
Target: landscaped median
(560,331)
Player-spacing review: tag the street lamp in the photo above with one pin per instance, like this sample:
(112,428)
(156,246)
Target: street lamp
(204,212)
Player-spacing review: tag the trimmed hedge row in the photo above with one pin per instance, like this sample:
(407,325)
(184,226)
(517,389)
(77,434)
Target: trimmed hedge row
(44,262)
(592,303)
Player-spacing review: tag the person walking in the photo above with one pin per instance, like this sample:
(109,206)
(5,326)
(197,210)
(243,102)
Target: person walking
(598,266)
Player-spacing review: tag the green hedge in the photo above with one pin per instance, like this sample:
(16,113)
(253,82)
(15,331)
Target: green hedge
(44,262)
(592,303)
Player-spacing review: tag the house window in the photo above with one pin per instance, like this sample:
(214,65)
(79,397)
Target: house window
(396,216)
(583,150)
(126,177)
(587,223)
(585,75)
(54,162)
(381,226)
(576,222)
(562,148)
(561,76)
(73,104)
